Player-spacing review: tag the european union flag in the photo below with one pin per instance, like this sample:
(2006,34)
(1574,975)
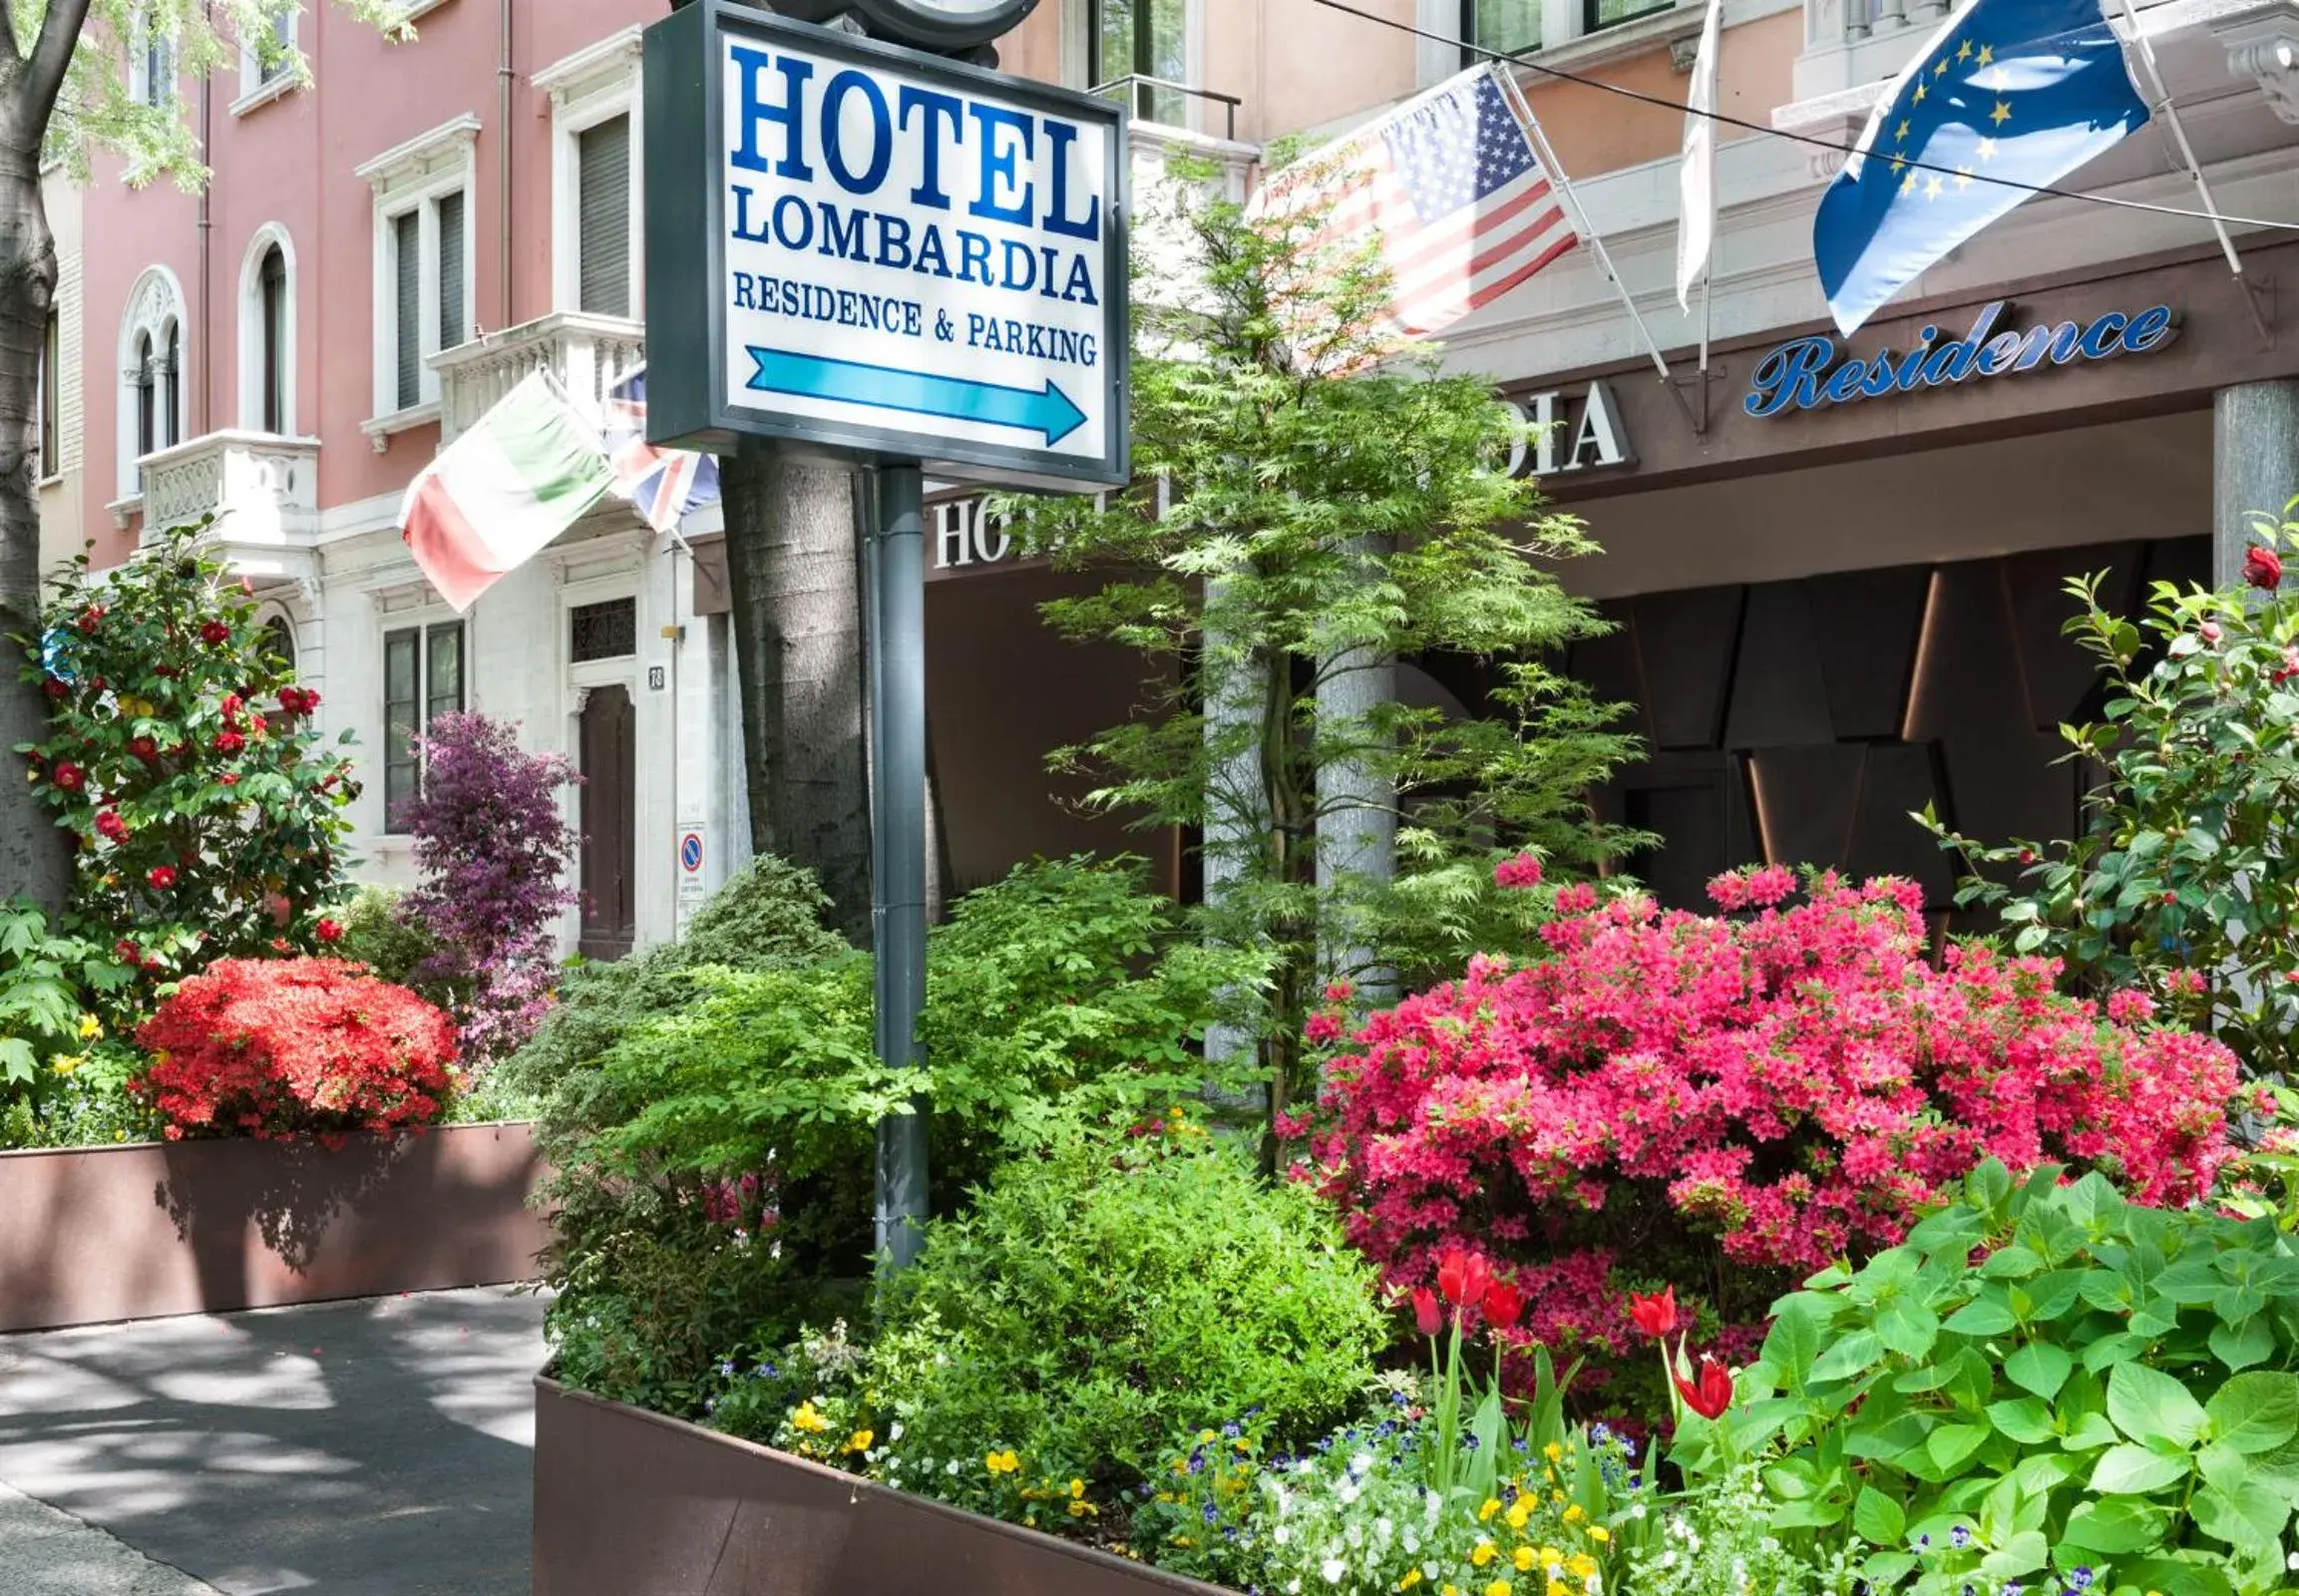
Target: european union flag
(2025,90)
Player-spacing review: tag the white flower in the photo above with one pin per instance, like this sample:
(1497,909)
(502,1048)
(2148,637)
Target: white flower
(1349,1494)
(1294,1588)
(1362,1463)
(894,1430)
(1282,1533)
(1334,1568)
(950,1467)
(1384,1528)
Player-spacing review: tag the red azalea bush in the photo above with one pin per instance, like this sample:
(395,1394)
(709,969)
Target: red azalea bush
(1726,1101)
(207,809)
(280,1047)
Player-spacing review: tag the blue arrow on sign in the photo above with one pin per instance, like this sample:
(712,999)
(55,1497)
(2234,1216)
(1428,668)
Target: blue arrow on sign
(1050,411)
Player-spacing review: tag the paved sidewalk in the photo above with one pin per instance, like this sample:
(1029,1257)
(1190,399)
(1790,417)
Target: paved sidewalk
(381,1447)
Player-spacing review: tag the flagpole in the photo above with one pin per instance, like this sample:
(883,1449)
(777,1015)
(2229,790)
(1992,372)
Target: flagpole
(1572,204)
(2178,131)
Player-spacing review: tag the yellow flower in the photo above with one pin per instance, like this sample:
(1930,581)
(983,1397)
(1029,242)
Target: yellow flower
(1599,1533)
(1491,1506)
(1557,1589)
(1450,1589)
(858,1442)
(1077,1488)
(1082,1509)
(1207,1437)
(1575,1513)
(1004,1463)
(808,1420)
(65,1064)
(1499,1587)
(1553,1452)
(1551,1557)
(1413,1578)
(1183,1540)
(1523,1558)
(1520,1511)
(90,1028)
(1486,1551)
(1580,1565)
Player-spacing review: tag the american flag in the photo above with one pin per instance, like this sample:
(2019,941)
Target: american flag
(1453,188)
(663,484)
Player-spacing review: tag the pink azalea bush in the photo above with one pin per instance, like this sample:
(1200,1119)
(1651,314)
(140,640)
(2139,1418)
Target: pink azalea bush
(1729,1100)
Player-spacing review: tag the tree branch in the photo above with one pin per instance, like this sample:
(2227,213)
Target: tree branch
(43,75)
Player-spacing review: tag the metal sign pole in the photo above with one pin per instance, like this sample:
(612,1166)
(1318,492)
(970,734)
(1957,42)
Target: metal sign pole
(897,648)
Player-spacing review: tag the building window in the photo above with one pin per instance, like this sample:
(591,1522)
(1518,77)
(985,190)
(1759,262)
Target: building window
(152,69)
(1508,25)
(1596,15)
(1141,38)
(427,293)
(606,631)
(267,63)
(603,217)
(51,441)
(153,403)
(266,332)
(422,680)
(279,640)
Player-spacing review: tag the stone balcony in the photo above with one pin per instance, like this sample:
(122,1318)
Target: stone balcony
(588,354)
(261,489)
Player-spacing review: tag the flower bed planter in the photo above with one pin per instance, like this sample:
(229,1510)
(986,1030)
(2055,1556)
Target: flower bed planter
(630,1503)
(92,1234)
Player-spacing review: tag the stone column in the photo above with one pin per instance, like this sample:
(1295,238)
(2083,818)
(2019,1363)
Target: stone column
(2254,469)
(1231,702)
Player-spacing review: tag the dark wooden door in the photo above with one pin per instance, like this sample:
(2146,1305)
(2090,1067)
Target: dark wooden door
(609,762)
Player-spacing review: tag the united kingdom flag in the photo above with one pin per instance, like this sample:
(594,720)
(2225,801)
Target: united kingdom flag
(661,484)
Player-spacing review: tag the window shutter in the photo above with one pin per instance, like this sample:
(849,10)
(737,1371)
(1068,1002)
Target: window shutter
(272,279)
(452,327)
(407,257)
(602,222)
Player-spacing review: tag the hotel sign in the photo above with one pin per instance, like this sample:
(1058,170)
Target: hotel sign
(1806,373)
(889,255)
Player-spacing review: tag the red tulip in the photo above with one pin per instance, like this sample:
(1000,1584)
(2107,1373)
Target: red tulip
(1463,1275)
(1712,1393)
(2262,567)
(1426,1319)
(1655,1316)
(1504,1304)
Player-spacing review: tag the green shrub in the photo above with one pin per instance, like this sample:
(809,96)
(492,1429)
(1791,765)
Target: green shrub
(81,1099)
(2040,1375)
(377,935)
(1104,1293)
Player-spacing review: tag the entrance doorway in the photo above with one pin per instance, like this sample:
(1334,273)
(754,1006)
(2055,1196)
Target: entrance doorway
(609,857)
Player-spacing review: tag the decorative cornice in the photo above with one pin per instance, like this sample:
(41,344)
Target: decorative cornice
(617,55)
(2263,45)
(449,144)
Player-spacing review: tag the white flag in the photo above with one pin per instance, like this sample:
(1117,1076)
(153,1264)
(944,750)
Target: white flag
(1697,225)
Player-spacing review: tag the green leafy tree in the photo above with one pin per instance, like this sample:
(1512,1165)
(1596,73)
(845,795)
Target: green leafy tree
(65,94)
(1313,496)
(2185,879)
(207,811)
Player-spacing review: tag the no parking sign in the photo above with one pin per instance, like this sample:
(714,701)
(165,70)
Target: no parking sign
(693,888)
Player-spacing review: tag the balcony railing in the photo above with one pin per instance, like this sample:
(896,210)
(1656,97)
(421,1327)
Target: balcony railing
(262,489)
(1152,96)
(588,354)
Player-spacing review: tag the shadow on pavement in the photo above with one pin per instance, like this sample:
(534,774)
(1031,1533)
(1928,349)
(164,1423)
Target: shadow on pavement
(374,1447)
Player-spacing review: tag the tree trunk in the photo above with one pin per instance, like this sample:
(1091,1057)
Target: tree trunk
(34,858)
(797,616)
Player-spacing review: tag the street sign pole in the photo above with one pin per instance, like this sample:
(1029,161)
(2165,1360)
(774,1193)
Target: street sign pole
(897,648)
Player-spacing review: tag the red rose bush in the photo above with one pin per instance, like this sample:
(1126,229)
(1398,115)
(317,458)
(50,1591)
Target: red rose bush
(283,1047)
(1785,1086)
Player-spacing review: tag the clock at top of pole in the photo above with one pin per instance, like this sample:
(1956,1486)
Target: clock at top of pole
(939,25)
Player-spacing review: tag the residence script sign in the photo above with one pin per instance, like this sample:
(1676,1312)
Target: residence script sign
(881,253)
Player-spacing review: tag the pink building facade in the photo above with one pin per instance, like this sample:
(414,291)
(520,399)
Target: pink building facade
(385,251)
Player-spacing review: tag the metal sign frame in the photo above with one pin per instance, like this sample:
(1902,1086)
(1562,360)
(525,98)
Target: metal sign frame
(686,206)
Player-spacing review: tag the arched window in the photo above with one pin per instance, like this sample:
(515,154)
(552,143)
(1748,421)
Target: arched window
(280,638)
(146,397)
(266,332)
(271,305)
(153,409)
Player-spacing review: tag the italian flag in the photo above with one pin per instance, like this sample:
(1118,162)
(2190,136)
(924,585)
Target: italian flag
(498,493)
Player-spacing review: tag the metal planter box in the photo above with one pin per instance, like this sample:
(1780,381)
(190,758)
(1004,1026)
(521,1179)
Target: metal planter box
(630,1503)
(94,1234)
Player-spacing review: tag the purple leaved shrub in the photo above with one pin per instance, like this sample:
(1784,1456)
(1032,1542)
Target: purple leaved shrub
(494,852)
